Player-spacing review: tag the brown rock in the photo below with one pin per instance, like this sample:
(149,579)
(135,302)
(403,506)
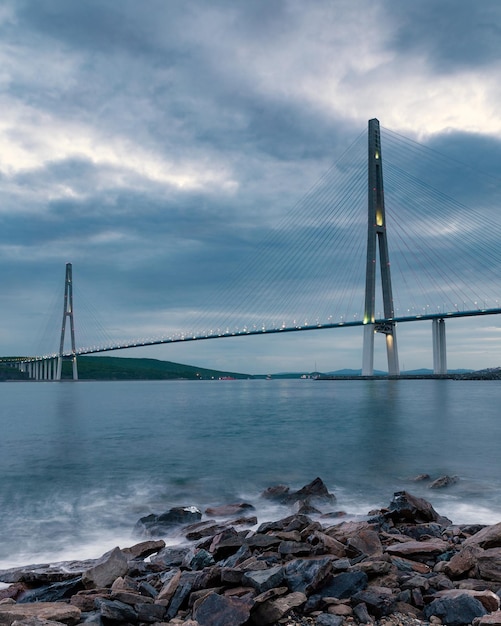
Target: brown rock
(489,564)
(462,562)
(271,611)
(407,564)
(344,531)
(144,549)
(328,544)
(418,549)
(169,588)
(488,537)
(54,611)
(493,619)
(366,542)
(227,510)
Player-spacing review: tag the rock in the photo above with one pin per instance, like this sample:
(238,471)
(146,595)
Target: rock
(487,537)
(327,544)
(170,556)
(418,549)
(314,490)
(262,580)
(287,524)
(277,492)
(149,613)
(207,528)
(489,564)
(420,478)
(462,562)
(361,613)
(494,619)
(379,601)
(346,530)
(36,621)
(272,611)
(144,549)
(52,611)
(44,573)
(457,611)
(215,610)
(111,565)
(408,508)
(344,585)
(422,531)
(307,575)
(185,586)
(157,525)
(116,611)
(366,542)
(489,599)
(294,547)
(443,481)
(228,510)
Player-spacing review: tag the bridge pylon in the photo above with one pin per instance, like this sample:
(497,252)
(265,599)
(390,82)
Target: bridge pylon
(376,238)
(67,313)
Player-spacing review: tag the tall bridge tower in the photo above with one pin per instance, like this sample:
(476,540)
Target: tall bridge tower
(376,237)
(68,312)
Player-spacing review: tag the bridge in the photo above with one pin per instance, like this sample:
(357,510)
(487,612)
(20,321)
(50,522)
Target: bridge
(377,287)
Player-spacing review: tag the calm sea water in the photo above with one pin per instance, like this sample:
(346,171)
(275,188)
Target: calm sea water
(81,463)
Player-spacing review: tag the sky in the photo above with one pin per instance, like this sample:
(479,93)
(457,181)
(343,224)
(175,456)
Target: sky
(154,144)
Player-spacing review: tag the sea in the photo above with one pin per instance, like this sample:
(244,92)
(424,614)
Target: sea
(82,462)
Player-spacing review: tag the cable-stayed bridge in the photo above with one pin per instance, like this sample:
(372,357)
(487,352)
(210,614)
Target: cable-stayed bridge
(356,250)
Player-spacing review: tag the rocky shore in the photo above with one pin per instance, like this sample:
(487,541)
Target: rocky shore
(403,564)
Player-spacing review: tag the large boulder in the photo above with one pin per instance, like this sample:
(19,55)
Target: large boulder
(307,575)
(457,611)
(106,570)
(408,508)
(488,537)
(158,525)
(314,491)
(214,610)
(489,564)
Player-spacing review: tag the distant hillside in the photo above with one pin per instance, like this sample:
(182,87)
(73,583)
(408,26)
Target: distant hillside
(116,368)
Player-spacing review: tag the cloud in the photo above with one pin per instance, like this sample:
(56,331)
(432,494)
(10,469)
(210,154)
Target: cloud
(157,146)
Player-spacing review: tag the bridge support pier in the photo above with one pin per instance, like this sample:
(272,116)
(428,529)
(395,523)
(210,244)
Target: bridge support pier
(68,312)
(376,238)
(439,347)
(368,350)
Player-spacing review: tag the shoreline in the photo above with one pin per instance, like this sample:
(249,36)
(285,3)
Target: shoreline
(312,567)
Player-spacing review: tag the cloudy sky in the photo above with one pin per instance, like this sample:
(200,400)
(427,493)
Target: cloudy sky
(155,144)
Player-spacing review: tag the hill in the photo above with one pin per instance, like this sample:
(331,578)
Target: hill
(117,368)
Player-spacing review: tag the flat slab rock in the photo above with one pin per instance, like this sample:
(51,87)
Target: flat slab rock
(52,611)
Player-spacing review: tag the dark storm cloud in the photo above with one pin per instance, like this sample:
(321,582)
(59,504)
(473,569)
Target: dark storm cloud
(156,144)
(450,34)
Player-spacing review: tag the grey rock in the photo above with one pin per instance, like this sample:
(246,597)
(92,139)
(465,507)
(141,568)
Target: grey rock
(408,508)
(457,611)
(378,603)
(262,580)
(216,610)
(116,611)
(344,585)
(157,525)
(307,575)
(107,569)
